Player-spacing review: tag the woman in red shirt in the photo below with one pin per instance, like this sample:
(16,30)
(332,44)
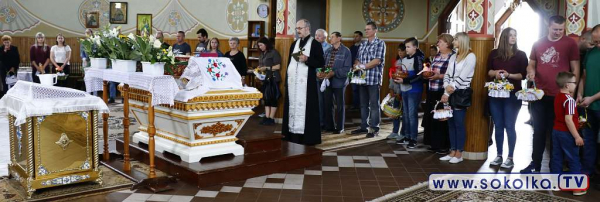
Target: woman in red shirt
(511,63)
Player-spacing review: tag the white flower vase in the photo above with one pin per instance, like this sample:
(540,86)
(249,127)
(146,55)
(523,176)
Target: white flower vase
(98,63)
(124,65)
(156,69)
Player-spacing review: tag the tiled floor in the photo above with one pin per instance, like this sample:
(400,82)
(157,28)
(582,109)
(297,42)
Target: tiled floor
(355,174)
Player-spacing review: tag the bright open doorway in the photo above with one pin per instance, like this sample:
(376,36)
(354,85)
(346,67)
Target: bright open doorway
(526,22)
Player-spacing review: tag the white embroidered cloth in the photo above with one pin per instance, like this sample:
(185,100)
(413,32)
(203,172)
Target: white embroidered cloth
(205,73)
(26,99)
(163,87)
(212,73)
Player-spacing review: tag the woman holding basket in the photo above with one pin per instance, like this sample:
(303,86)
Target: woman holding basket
(506,62)
(436,131)
(457,83)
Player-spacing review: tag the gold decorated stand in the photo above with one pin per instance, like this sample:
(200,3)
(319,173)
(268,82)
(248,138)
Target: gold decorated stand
(55,150)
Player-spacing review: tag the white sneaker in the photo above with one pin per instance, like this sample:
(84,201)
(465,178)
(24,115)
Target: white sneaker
(456,160)
(508,163)
(496,161)
(446,158)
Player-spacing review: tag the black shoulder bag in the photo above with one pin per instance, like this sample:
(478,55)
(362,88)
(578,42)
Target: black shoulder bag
(461,98)
(271,88)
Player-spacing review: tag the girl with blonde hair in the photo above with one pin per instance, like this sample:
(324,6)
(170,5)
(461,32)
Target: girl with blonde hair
(458,77)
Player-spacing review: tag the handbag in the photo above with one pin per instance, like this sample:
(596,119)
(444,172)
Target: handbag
(461,98)
(271,88)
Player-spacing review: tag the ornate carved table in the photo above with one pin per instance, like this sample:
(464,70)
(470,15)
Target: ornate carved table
(53,135)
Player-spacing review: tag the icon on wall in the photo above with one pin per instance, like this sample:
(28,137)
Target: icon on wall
(144,24)
(118,12)
(92,20)
(256,32)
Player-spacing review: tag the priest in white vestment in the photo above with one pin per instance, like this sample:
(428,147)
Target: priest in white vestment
(301,122)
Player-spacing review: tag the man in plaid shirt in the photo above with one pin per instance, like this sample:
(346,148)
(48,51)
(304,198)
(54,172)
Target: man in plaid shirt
(371,57)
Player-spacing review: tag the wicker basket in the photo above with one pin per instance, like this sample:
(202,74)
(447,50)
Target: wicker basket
(442,114)
(583,119)
(387,106)
(499,88)
(530,94)
(401,73)
(426,72)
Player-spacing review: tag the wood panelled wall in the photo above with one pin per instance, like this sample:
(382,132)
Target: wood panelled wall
(281,44)
(391,51)
(478,122)
(24,43)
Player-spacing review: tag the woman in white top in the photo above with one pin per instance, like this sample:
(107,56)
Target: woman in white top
(458,76)
(60,54)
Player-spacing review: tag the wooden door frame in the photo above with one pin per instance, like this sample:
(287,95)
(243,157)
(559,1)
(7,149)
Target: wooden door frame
(444,15)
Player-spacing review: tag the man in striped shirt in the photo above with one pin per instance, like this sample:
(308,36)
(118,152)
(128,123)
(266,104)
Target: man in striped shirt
(371,57)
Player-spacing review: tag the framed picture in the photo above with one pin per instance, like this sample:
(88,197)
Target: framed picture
(118,12)
(92,20)
(256,30)
(144,24)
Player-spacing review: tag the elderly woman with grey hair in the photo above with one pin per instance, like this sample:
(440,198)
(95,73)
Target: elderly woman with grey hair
(237,58)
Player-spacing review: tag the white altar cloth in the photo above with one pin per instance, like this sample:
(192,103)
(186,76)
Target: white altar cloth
(27,99)
(163,87)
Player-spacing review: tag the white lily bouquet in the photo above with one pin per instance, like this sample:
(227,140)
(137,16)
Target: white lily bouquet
(530,94)
(499,88)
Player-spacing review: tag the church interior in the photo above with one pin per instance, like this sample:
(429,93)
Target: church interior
(142,104)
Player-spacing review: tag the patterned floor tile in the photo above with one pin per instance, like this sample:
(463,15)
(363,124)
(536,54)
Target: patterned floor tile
(159,197)
(207,194)
(231,189)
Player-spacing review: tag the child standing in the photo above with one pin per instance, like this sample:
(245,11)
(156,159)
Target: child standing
(396,92)
(411,89)
(565,137)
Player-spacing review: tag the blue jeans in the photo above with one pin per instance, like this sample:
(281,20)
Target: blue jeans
(563,146)
(370,107)
(321,96)
(337,95)
(457,130)
(112,89)
(410,116)
(590,136)
(355,96)
(504,113)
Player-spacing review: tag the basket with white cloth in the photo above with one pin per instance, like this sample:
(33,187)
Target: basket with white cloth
(499,88)
(443,113)
(530,94)
(358,75)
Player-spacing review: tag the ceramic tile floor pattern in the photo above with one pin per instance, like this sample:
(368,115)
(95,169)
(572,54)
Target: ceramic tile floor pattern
(355,174)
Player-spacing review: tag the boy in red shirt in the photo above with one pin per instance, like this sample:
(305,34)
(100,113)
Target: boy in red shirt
(565,137)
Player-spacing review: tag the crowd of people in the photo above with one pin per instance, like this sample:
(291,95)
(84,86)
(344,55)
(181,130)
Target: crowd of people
(557,65)
(318,73)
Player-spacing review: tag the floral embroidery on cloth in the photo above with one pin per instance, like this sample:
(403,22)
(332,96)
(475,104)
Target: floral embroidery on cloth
(214,69)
